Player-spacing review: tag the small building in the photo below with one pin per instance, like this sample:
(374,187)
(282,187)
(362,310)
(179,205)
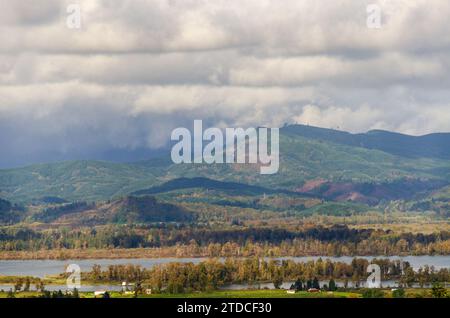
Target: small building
(127,286)
(148,291)
(291,291)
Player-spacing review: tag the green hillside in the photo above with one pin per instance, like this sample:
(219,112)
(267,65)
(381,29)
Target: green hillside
(146,209)
(75,180)
(126,210)
(301,159)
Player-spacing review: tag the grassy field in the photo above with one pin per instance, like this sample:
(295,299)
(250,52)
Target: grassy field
(258,294)
(409,293)
(215,294)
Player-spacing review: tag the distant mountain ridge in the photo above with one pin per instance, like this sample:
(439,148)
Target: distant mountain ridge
(436,145)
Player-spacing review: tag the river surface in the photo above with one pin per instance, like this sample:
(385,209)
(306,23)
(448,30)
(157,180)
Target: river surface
(42,268)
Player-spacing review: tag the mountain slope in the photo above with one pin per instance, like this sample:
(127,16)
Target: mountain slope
(75,180)
(427,146)
(302,159)
(127,210)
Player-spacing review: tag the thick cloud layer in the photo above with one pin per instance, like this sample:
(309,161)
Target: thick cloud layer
(136,69)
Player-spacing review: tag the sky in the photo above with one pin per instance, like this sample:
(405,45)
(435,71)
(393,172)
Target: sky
(134,70)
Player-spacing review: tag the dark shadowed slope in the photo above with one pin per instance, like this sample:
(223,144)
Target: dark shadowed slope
(205,183)
(126,210)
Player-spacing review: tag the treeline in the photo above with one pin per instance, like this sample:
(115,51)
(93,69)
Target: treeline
(168,235)
(332,241)
(24,283)
(10,213)
(326,234)
(335,233)
(213,274)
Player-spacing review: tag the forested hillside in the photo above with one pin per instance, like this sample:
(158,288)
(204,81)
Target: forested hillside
(307,154)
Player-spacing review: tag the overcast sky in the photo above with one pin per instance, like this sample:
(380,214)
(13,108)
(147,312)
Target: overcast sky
(137,69)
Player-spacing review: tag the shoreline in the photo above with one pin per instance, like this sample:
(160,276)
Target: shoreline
(150,253)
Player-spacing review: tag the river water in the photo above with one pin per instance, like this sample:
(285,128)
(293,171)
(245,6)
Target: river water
(42,268)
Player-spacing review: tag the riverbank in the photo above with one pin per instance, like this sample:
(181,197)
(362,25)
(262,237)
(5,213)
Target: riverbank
(166,252)
(64,254)
(184,275)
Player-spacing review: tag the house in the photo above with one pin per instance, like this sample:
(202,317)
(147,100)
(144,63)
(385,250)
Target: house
(127,286)
(148,291)
(313,290)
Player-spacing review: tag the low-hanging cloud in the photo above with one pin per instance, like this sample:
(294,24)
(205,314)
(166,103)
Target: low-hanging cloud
(137,69)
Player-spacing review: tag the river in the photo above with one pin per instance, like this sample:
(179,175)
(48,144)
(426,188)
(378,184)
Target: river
(42,268)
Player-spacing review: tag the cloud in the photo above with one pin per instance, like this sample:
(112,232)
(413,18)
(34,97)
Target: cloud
(29,13)
(137,69)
